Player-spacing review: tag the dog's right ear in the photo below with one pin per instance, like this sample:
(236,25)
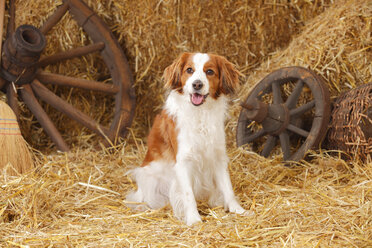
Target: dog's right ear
(172,74)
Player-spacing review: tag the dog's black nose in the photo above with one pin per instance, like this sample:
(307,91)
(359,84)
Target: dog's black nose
(197,85)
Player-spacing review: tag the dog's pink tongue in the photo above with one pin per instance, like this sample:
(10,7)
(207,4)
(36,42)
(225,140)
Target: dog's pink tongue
(197,99)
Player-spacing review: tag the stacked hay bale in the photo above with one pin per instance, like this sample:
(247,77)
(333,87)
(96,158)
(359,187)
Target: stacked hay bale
(152,34)
(335,44)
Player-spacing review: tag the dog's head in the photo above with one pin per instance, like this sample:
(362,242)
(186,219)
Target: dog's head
(200,76)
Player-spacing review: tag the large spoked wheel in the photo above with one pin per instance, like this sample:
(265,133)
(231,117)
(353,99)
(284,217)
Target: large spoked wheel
(22,72)
(289,107)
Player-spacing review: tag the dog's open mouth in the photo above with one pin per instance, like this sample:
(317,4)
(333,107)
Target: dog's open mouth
(198,99)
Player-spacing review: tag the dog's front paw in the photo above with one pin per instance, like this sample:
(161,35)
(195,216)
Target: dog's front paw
(247,213)
(191,219)
(234,207)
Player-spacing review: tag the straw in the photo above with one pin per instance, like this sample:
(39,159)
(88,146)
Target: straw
(72,199)
(15,157)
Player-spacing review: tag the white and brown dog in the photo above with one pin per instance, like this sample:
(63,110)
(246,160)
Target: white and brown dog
(186,159)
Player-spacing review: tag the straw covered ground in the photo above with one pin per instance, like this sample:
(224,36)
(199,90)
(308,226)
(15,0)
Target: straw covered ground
(76,199)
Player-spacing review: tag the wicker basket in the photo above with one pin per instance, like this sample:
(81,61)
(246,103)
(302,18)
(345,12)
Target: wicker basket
(351,123)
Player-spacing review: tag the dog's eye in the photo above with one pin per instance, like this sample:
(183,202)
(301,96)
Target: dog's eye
(210,72)
(189,70)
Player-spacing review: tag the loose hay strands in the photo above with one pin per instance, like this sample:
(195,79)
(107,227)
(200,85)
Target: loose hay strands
(326,202)
(71,199)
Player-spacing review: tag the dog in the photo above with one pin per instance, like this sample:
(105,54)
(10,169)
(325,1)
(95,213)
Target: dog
(186,160)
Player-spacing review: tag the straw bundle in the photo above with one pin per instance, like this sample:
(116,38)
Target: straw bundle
(15,157)
(77,199)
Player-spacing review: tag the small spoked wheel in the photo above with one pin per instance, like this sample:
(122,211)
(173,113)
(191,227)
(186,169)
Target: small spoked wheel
(22,73)
(289,108)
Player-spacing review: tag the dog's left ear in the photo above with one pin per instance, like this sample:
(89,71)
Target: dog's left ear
(229,76)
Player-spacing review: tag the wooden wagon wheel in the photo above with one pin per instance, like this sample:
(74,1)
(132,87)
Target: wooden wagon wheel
(290,106)
(21,66)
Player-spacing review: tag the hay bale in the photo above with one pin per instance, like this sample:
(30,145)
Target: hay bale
(336,44)
(243,31)
(153,33)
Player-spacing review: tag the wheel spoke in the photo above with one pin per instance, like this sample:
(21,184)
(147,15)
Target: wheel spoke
(298,130)
(73,53)
(302,109)
(56,79)
(2,83)
(2,10)
(11,95)
(54,18)
(32,103)
(11,24)
(58,103)
(277,95)
(269,146)
(292,98)
(285,145)
(253,136)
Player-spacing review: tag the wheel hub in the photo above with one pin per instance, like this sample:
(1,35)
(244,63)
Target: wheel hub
(22,51)
(273,117)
